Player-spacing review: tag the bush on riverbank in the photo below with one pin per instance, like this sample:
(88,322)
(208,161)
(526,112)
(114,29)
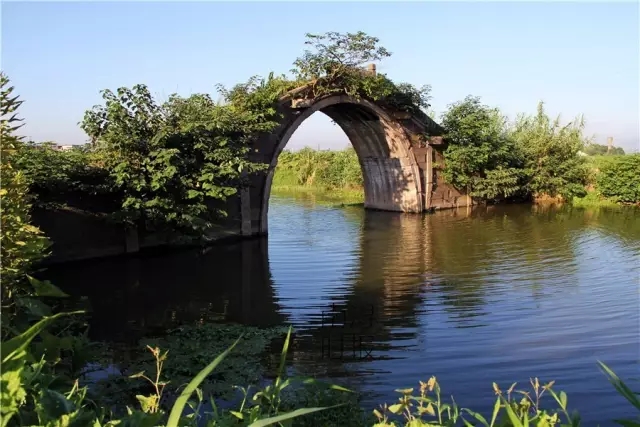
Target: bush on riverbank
(618,178)
(494,160)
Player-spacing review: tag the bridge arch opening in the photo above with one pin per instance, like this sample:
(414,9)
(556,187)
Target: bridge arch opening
(391,175)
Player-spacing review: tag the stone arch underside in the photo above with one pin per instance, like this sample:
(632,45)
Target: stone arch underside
(390,172)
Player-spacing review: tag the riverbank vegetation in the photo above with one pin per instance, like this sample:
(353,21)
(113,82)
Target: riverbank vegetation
(495,160)
(157,165)
(333,175)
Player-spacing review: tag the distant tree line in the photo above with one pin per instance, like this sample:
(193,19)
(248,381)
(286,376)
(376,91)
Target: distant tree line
(594,149)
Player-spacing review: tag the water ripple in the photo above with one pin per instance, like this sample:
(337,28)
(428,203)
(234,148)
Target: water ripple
(501,293)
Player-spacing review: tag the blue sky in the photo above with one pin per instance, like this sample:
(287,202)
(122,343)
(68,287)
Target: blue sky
(578,57)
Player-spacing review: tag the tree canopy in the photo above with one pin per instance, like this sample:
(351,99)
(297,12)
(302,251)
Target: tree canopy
(493,159)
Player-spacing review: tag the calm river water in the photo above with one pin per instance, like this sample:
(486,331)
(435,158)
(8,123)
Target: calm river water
(472,296)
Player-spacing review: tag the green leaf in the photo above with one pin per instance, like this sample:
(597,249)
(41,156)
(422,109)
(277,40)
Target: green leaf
(512,415)
(19,343)
(283,357)
(478,417)
(563,400)
(181,401)
(147,403)
(496,409)
(45,288)
(54,404)
(34,307)
(620,386)
(237,414)
(396,408)
(13,393)
(289,415)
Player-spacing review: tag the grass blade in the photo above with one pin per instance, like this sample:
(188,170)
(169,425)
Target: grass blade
(283,357)
(288,415)
(181,401)
(620,386)
(20,342)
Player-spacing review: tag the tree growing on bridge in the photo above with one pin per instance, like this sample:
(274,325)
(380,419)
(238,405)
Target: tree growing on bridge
(336,64)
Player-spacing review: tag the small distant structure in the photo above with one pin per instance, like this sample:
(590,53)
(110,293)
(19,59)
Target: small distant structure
(53,146)
(372,69)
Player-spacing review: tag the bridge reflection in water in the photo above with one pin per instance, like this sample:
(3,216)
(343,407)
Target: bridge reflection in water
(471,295)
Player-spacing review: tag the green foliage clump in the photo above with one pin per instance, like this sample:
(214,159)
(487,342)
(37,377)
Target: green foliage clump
(32,393)
(492,160)
(56,176)
(171,160)
(191,347)
(619,178)
(21,243)
(551,153)
(335,66)
(480,157)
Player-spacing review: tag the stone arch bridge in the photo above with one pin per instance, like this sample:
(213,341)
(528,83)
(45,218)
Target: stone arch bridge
(400,164)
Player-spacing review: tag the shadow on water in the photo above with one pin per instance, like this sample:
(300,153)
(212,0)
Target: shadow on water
(500,293)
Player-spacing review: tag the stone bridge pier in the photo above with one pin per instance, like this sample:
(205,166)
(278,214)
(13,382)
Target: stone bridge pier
(396,158)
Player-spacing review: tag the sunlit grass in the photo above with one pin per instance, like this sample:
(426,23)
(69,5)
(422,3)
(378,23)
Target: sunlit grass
(321,195)
(594,200)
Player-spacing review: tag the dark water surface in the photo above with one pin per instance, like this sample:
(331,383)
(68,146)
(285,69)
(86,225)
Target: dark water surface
(472,296)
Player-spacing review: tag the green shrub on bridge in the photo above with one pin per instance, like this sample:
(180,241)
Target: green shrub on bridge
(335,66)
